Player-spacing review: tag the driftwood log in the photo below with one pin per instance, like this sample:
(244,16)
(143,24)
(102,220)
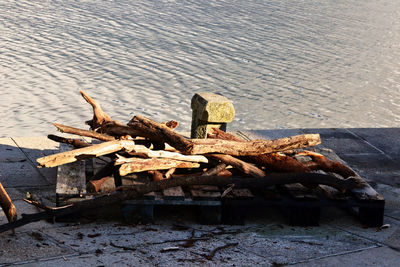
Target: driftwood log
(273,162)
(251,148)
(278,162)
(76,131)
(99,116)
(7,205)
(159,132)
(74,142)
(143,151)
(139,165)
(320,162)
(245,167)
(85,152)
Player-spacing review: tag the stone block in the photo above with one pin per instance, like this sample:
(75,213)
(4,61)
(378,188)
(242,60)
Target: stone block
(210,110)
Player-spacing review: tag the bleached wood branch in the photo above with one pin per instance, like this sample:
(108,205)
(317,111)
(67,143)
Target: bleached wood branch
(85,152)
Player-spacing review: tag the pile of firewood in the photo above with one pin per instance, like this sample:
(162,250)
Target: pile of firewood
(144,145)
(170,159)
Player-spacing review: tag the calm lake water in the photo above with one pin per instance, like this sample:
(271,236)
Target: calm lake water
(284,64)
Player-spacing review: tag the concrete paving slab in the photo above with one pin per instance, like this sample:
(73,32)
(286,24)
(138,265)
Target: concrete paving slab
(385,139)
(265,240)
(25,208)
(21,174)
(36,147)
(388,236)
(27,246)
(98,259)
(392,199)
(382,256)
(9,151)
(374,167)
(269,134)
(346,143)
(148,242)
(15,193)
(288,245)
(15,168)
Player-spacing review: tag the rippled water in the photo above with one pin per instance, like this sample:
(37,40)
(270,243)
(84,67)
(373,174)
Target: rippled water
(284,64)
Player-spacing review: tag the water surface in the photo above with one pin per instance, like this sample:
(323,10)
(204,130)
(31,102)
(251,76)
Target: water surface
(284,64)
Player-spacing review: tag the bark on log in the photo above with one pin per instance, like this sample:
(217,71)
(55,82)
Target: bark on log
(273,162)
(139,165)
(118,130)
(76,131)
(139,190)
(282,163)
(216,170)
(277,162)
(322,163)
(171,124)
(245,167)
(251,148)
(85,152)
(159,132)
(7,205)
(74,142)
(156,131)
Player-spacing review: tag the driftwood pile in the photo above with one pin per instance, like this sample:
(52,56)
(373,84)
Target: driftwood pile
(170,159)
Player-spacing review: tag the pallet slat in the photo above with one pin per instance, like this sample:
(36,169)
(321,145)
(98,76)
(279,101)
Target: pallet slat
(71,180)
(174,193)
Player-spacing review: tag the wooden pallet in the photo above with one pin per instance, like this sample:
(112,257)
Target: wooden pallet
(205,199)
(300,205)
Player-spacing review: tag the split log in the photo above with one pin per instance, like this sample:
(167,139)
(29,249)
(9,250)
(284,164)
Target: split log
(85,152)
(139,165)
(76,131)
(159,132)
(251,148)
(245,167)
(143,151)
(7,205)
(139,190)
(103,185)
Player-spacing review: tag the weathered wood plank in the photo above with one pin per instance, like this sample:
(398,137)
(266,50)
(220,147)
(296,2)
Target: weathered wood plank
(71,179)
(173,193)
(205,194)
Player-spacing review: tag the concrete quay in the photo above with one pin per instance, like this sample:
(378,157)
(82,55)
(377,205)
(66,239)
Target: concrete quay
(265,240)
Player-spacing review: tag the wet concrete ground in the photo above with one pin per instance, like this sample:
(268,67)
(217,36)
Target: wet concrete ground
(265,240)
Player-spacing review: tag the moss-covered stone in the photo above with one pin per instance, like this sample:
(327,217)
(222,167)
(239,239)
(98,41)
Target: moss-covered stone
(210,110)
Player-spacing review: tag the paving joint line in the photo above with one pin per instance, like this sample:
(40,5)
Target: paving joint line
(382,244)
(30,161)
(364,140)
(336,254)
